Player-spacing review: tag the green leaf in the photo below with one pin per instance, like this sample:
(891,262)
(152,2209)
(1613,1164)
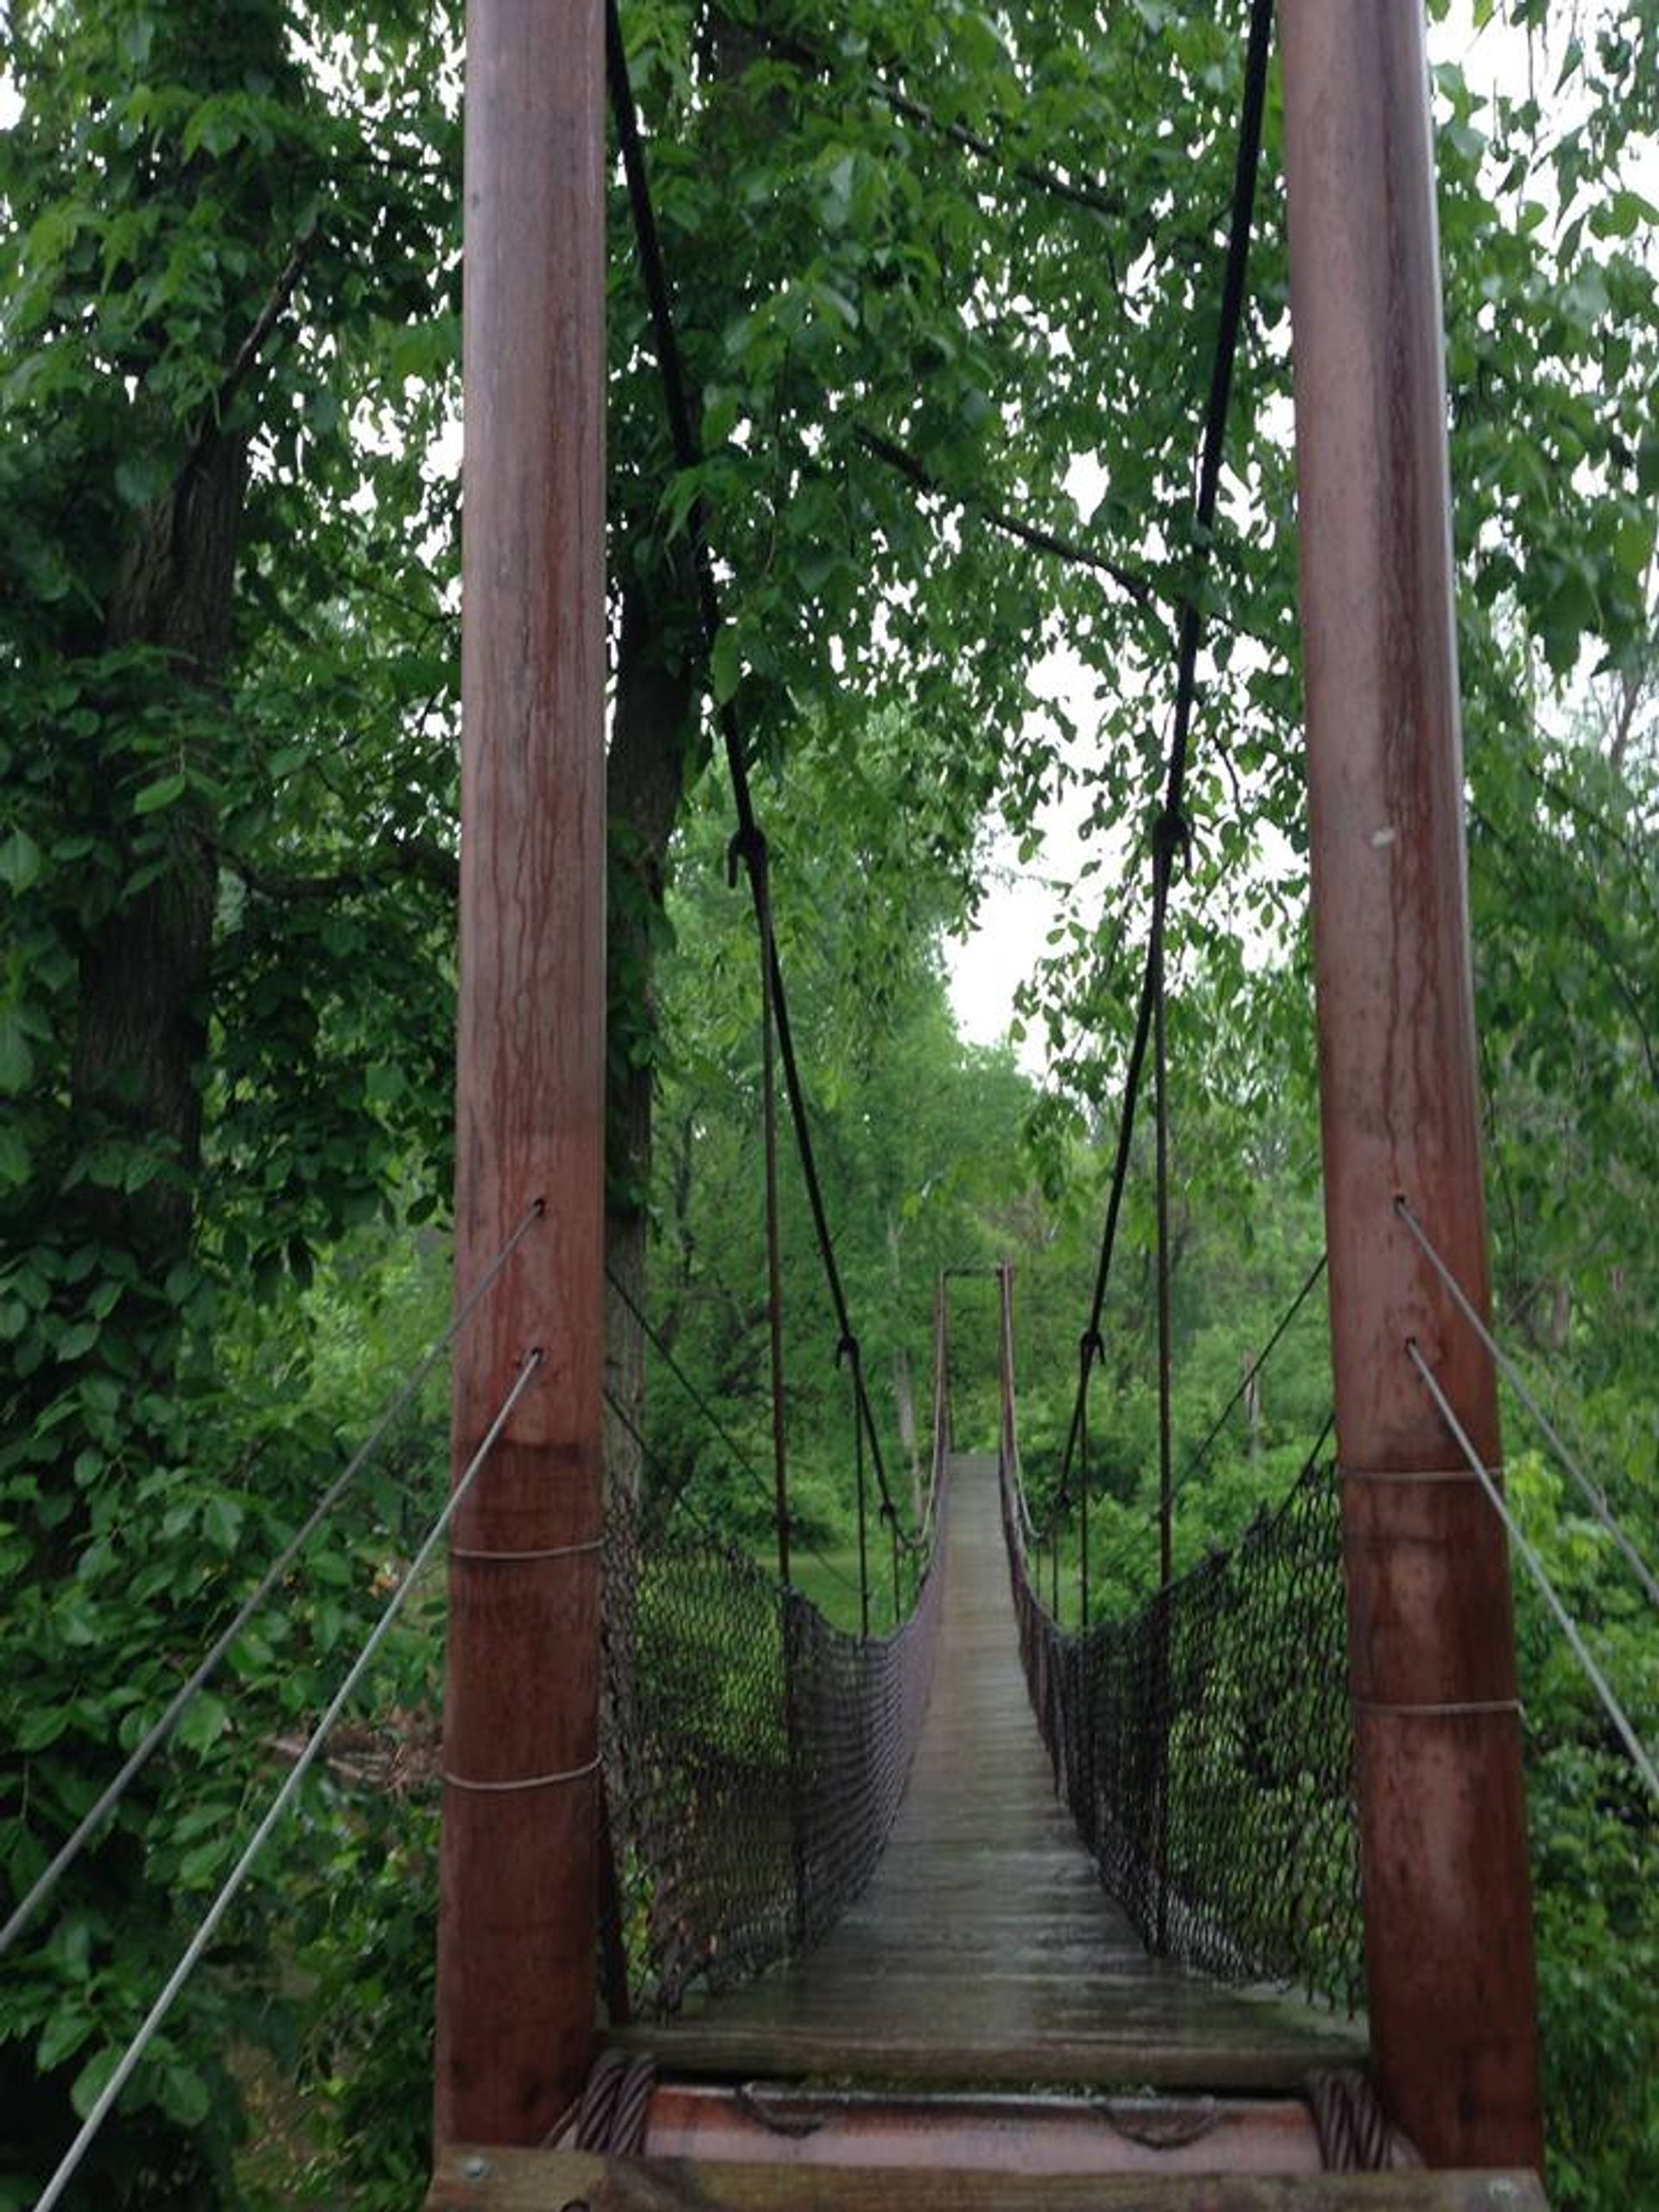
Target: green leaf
(166,791)
(20,861)
(90,2083)
(17,1059)
(184,2096)
(142,478)
(222,1519)
(14,1158)
(204,1723)
(383,1083)
(41,1725)
(64,2034)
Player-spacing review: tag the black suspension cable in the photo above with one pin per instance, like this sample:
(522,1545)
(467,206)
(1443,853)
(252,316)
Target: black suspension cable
(1166,1346)
(749,845)
(1170,832)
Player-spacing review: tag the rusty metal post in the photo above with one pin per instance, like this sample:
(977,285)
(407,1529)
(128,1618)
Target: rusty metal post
(517,1935)
(1443,1841)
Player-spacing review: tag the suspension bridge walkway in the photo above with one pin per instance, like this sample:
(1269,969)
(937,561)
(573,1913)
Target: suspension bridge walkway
(873,1956)
(985,1948)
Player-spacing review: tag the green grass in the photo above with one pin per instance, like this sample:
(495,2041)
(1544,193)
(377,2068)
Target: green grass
(827,1577)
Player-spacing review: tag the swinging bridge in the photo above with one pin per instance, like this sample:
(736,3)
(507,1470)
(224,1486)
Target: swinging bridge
(986,1912)
(1224,1907)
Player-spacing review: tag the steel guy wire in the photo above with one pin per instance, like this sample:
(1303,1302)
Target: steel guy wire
(679,1497)
(191,1687)
(1197,1457)
(198,1944)
(1535,1567)
(1591,1490)
(680,1375)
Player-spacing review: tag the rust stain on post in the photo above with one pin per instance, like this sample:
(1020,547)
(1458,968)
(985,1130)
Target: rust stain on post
(1453,2001)
(517,1940)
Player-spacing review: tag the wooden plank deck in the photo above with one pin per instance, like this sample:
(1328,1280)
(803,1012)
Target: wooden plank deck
(543,2181)
(984,1950)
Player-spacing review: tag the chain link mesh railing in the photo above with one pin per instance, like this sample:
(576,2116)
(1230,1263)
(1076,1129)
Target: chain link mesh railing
(1206,1747)
(754,1754)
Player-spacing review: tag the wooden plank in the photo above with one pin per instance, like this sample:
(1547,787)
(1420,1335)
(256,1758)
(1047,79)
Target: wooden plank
(985,2134)
(984,1950)
(1127,2059)
(546,2181)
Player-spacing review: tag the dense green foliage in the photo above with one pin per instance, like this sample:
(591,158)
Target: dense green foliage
(929,263)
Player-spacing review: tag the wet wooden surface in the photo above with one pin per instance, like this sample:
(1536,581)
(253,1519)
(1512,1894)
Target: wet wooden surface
(546,2181)
(984,1950)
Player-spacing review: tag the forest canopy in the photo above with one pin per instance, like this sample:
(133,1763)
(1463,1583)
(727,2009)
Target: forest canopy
(946,283)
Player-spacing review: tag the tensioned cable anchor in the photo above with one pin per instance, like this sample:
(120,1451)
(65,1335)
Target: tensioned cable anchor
(1539,1573)
(1591,1492)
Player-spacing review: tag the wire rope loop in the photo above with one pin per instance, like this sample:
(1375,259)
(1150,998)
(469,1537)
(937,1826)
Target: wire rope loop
(1640,1755)
(536,1557)
(522,1782)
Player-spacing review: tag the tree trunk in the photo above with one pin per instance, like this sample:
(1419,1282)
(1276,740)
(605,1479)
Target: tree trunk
(651,746)
(904,1393)
(141,1024)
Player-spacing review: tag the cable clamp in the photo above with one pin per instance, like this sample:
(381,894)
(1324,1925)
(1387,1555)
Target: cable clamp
(747,849)
(847,1349)
(529,1782)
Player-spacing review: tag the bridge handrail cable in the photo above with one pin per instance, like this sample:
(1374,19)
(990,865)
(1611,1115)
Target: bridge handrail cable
(1204,1747)
(209,1927)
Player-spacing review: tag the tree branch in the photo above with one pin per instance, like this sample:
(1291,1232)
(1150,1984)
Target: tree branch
(391,859)
(908,465)
(1087,197)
